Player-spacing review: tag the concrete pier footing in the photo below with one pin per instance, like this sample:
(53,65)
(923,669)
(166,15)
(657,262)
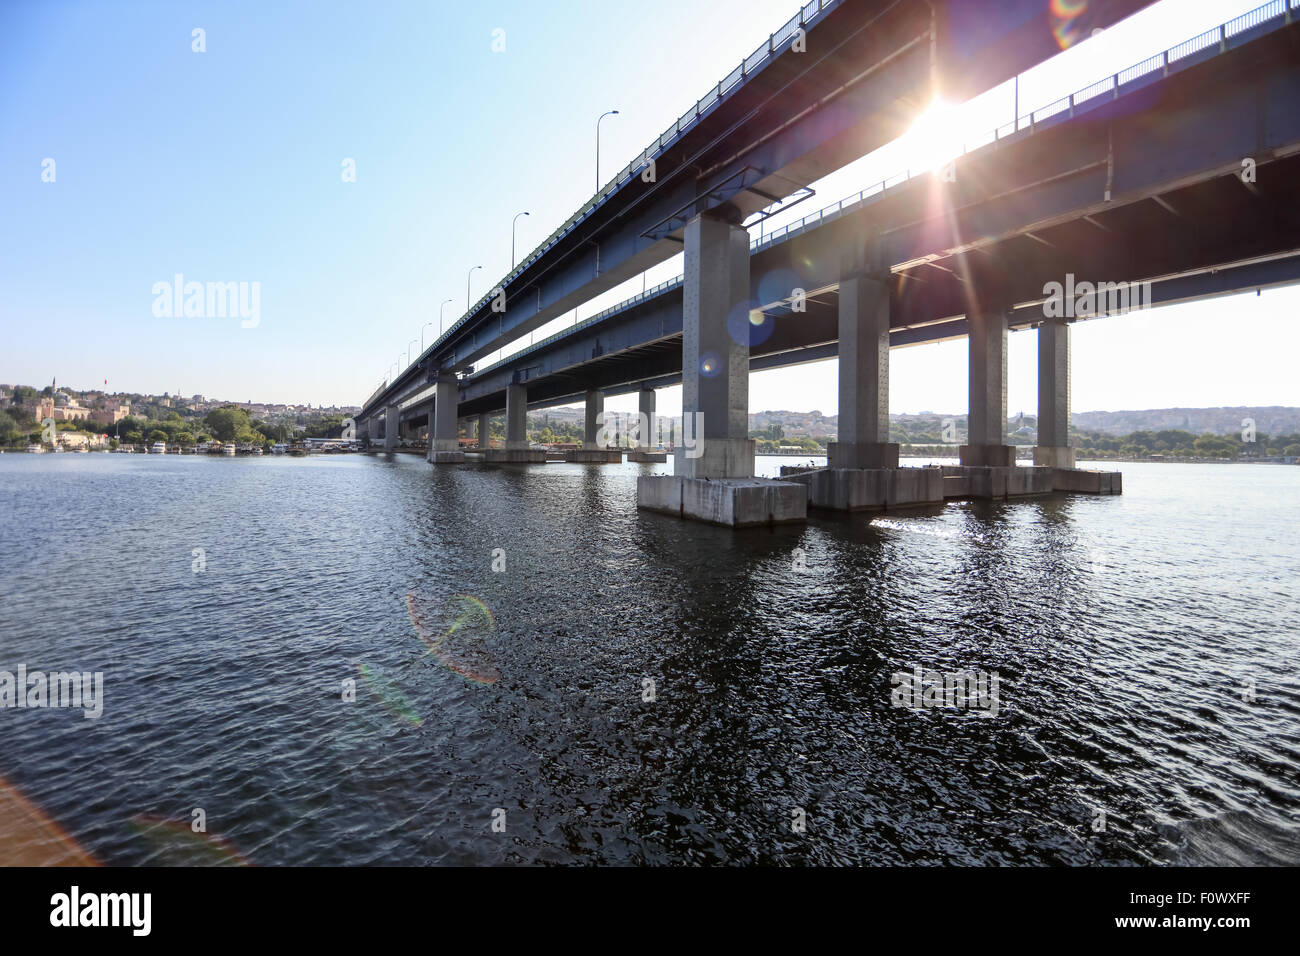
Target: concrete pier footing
(514,456)
(646,455)
(964,482)
(995,481)
(987,456)
(594,456)
(733,502)
(1083,481)
(871,489)
(861,455)
(1054,456)
(443,451)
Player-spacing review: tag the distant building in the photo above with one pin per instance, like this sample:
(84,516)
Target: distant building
(110,414)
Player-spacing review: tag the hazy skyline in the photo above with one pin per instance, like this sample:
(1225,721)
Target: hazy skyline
(228,166)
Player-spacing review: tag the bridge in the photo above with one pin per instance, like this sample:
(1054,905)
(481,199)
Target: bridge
(1169,181)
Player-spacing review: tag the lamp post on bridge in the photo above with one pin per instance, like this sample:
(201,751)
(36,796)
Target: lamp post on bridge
(408,351)
(422,328)
(440,308)
(467,278)
(598,119)
(513,224)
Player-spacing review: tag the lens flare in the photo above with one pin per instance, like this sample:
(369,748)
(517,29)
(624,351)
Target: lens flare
(459,647)
(193,849)
(1067,21)
(391,697)
(28,837)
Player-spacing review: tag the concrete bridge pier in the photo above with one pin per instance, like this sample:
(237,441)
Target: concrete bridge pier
(714,464)
(1053,449)
(988,464)
(483,431)
(391,427)
(516,448)
(372,429)
(444,445)
(862,470)
(646,450)
(592,451)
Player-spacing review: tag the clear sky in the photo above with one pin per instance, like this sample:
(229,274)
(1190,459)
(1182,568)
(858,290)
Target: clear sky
(227,165)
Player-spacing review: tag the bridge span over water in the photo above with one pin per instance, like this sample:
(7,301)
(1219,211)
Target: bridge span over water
(1172,180)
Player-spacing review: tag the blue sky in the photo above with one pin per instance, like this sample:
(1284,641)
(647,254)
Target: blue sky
(226,166)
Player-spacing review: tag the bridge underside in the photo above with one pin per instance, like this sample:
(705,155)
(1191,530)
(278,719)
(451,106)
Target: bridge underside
(1146,189)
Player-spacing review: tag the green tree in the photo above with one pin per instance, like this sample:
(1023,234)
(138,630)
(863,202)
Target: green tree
(227,422)
(157,435)
(9,430)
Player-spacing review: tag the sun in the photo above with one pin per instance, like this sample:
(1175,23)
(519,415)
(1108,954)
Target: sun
(934,138)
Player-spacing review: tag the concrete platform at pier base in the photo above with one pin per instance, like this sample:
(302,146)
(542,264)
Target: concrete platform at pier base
(446,457)
(734,502)
(594,456)
(960,481)
(871,489)
(514,456)
(1084,482)
(642,455)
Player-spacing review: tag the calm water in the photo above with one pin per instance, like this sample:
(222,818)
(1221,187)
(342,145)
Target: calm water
(1123,630)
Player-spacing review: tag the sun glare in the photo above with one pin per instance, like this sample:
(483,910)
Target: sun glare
(934,138)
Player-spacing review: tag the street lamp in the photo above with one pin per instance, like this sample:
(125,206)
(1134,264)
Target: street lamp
(513,224)
(440,308)
(422,328)
(467,278)
(408,351)
(598,119)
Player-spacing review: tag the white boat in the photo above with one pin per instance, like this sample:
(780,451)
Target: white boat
(36,449)
(159,448)
(279,448)
(228,449)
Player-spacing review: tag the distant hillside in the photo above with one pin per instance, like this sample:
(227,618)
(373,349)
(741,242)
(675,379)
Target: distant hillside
(1269,420)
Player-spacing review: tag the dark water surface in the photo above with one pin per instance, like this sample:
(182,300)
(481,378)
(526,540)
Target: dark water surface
(1123,630)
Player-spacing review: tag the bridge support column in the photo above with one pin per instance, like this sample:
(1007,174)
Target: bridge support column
(862,472)
(516,448)
(1053,449)
(645,406)
(987,410)
(516,417)
(444,446)
(592,451)
(595,410)
(391,426)
(372,429)
(713,468)
(483,432)
(646,448)
(864,377)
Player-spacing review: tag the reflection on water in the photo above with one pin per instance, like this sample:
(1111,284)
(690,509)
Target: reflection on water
(1149,704)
